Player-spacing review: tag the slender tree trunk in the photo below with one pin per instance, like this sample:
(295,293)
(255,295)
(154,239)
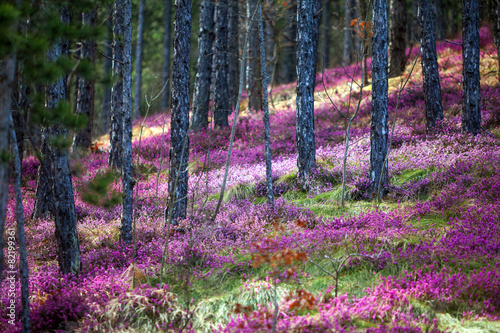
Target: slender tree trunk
(397,38)
(441,22)
(167,41)
(471,91)
(288,61)
(233,52)
(269,15)
(116,135)
(379,133)
(21,239)
(44,198)
(126,115)
(179,125)
(85,93)
(7,72)
(138,60)
(203,80)
(254,71)
(106,98)
(430,71)
(306,159)
(317,24)
(325,33)
(221,90)
(365,37)
(349,37)
(265,103)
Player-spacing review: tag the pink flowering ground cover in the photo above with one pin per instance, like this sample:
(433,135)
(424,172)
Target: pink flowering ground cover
(426,259)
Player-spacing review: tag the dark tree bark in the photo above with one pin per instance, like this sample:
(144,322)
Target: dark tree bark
(497,10)
(471,90)
(233,52)
(326,27)
(317,24)
(7,72)
(397,38)
(349,36)
(138,60)
(306,159)
(365,37)
(221,89)
(106,98)
(126,116)
(167,41)
(430,71)
(379,133)
(116,134)
(203,80)
(254,71)
(288,59)
(179,124)
(21,239)
(441,22)
(265,103)
(44,198)
(85,93)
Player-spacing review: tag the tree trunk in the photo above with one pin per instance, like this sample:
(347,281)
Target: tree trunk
(306,159)
(126,116)
(233,52)
(288,61)
(379,133)
(441,23)
(430,71)
(349,36)
(21,239)
(85,93)
(138,60)
(325,34)
(167,41)
(106,98)
(265,103)
(44,198)
(317,24)
(221,90)
(116,135)
(365,37)
(179,125)
(254,71)
(7,72)
(203,80)
(471,91)
(397,38)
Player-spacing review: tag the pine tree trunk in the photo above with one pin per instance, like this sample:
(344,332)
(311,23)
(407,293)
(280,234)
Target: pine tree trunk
(221,90)
(265,103)
(441,23)
(365,39)
(126,116)
(349,36)
(379,133)
(397,38)
(306,159)
(85,93)
(325,34)
(317,24)
(44,198)
(203,80)
(233,52)
(254,70)
(167,41)
(471,94)
(116,135)
(138,60)
(7,72)
(179,125)
(21,239)
(106,98)
(430,71)
(288,59)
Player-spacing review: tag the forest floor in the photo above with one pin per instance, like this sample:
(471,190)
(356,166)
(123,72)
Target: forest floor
(425,259)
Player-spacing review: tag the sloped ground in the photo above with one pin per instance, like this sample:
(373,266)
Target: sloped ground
(424,260)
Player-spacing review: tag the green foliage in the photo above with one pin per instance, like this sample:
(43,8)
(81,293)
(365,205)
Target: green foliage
(8,18)
(97,191)
(4,157)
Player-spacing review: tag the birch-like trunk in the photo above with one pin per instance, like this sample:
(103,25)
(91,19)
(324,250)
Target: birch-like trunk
(203,80)
(86,91)
(430,71)
(167,41)
(221,89)
(306,159)
(179,124)
(471,77)
(379,133)
(138,60)
(126,116)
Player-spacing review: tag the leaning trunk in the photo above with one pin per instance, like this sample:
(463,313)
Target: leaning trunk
(179,125)
(201,96)
(306,159)
(471,94)
(379,133)
(430,71)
